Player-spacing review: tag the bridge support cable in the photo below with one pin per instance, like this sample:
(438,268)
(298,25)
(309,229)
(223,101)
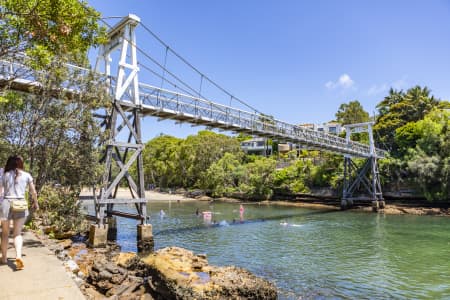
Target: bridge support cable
(363,180)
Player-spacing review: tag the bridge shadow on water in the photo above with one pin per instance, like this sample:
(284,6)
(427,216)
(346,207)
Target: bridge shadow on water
(239,222)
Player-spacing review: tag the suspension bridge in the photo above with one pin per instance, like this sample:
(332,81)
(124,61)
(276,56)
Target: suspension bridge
(171,97)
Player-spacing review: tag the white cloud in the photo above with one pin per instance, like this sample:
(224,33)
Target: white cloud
(344,82)
(377,89)
(382,88)
(400,84)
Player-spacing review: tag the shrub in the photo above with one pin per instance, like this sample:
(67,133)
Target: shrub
(60,210)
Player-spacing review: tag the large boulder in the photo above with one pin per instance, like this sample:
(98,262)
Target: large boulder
(176,273)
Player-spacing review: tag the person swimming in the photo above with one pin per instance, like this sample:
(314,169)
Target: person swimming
(284,223)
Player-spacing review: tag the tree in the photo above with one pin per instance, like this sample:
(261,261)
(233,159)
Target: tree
(256,179)
(57,135)
(48,28)
(53,128)
(199,151)
(351,113)
(429,160)
(399,108)
(222,177)
(161,161)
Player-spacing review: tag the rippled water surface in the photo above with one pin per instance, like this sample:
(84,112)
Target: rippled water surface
(318,254)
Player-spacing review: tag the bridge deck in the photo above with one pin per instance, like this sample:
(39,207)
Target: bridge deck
(167,104)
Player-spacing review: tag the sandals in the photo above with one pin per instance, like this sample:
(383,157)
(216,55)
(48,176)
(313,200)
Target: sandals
(19,264)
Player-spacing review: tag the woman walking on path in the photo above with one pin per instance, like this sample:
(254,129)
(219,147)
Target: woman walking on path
(14,183)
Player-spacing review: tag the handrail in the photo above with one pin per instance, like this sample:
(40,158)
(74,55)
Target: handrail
(193,109)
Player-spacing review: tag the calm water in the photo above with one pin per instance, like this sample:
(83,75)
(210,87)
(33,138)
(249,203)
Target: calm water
(319,255)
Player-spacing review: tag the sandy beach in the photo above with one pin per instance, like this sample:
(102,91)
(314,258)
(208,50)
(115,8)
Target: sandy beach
(150,195)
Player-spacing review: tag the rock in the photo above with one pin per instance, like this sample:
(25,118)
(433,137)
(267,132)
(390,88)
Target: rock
(118,278)
(112,268)
(118,290)
(65,244)
(195,194)
(204,198)
(92,294)
(78,281)
(104,286)
(48,229)
(105,275)
(146,297)
(127,260)
(81,275)
(202,255)
(136,279)
(175,275)
(62,255)
(64,235)
(72,266)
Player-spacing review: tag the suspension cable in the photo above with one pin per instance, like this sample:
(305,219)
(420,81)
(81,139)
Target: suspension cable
(158,64)
(195,69)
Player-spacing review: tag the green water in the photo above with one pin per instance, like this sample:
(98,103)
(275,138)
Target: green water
(319,254)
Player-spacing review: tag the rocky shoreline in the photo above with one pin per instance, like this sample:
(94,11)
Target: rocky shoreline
(169,273)
(390,209)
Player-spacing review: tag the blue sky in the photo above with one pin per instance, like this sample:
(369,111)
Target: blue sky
(299,60)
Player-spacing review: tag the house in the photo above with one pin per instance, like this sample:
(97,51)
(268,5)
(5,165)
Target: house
(258,146)
(330,127)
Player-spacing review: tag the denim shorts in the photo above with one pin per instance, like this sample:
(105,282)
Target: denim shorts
(6,212)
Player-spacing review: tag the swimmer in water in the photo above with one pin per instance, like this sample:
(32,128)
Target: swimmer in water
(284,223)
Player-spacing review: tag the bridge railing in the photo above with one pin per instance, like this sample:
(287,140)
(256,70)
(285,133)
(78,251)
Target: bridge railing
(174,105)
(169,104)
(16,71)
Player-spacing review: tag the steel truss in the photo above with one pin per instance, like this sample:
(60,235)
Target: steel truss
(364,179)
(124,146)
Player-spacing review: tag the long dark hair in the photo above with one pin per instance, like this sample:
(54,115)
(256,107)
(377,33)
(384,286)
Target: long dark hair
(14,163)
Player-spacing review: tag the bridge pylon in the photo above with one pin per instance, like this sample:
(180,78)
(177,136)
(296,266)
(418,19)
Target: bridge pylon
(123,147)
(363,179)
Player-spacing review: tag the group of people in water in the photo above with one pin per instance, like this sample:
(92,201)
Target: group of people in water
(208,216)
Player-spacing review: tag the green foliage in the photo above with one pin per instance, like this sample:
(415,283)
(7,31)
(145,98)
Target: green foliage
(429,161)
(57,136)
(53,129)
(47,28)
(414,127)
(398,109)
(328,173)
(60,210)
(172,162)
(295,178)
(161,161)
(351,113)
(257,178)
(222,177)
(199,151)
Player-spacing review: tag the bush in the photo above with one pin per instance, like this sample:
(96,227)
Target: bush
(60,210)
